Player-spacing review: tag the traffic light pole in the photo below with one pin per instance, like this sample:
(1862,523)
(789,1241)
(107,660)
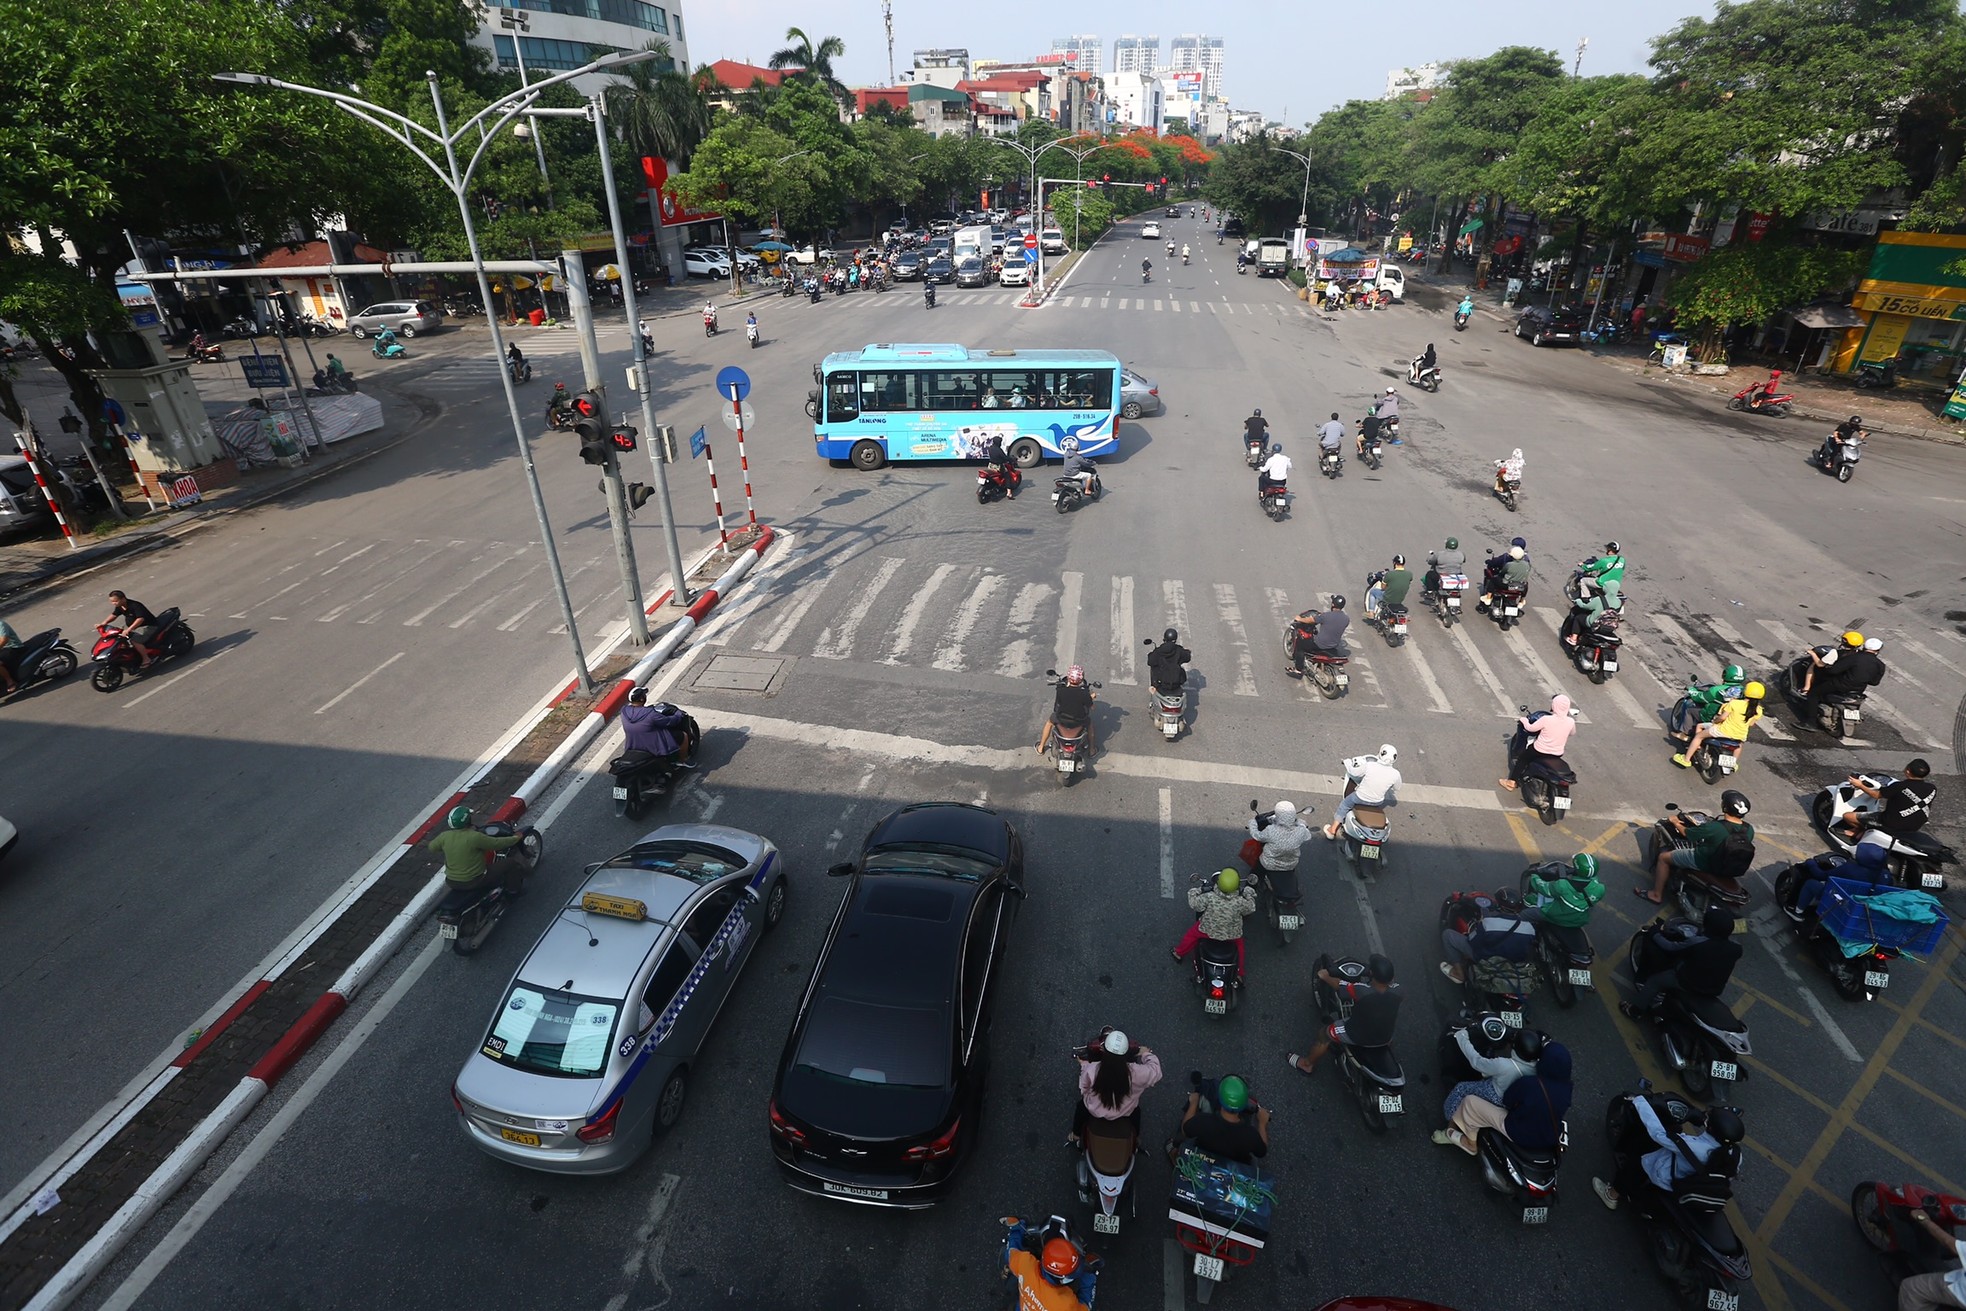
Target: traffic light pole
(617,494)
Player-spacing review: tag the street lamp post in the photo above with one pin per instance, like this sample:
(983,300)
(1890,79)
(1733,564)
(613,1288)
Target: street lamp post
(1303,207)
(414,137)
(775,228)
(518,22)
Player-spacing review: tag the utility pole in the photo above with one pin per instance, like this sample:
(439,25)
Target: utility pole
(617,494)
(1577,69)
(887,16)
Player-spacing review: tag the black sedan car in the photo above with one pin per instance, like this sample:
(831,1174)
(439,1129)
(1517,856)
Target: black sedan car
(939,269)
(908,266)
(971,272)
(1541,324)
(880,1086)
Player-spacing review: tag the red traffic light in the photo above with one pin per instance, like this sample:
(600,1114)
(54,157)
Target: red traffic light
(1163,181)
(587,406)
(1108,177)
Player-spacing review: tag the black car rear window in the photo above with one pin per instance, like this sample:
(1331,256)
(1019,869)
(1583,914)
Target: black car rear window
(957,862)
(877,1043)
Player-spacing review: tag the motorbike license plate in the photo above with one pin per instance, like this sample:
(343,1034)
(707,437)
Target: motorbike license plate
(1724,1070)
(1105,1224)
(1290,923)
(1208,1267)
(848,1190)
(1852,716)
(1399,627)
(1581,979)
(1216,1005)
(1391,1104)
(1368,851)
(1535,1215)
(447,930)
(1066,764)
(523,1139)
(1344,680)
(1561,803)
(1719,1300)
(1511,610)
(1608,666)
(1511,1018)
(1876,979)
(621,794)
(1931,878)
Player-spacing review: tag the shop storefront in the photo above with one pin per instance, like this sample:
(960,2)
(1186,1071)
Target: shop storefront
(1913,304)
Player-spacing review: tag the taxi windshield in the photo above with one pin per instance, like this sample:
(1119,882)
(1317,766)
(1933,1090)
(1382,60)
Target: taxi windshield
(549,1032)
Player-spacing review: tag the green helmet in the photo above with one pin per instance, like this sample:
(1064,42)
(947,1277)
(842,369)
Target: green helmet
(1227,882)
(1453,543)
(1232,1093)
(460,817)
(1733,674)
(1584,865)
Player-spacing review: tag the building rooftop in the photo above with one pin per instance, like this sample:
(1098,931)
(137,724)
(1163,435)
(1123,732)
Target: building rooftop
(739,77)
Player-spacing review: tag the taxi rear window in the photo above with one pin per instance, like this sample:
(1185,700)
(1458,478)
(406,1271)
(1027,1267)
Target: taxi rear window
(547,1032)
(699,862)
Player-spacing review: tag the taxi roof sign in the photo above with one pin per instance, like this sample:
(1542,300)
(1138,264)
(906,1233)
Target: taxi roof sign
(626,908)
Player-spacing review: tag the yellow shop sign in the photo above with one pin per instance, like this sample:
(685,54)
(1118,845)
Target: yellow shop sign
(1917,307)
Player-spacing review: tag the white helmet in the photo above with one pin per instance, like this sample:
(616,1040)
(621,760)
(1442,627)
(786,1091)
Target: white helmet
(1118,1043)
(1388,753)
(1069,446)
(1286,812)
(1516,454)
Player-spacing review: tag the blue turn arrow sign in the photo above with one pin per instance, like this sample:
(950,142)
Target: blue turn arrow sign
(731,378)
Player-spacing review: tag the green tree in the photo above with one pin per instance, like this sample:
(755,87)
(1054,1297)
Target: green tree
(1081,210)
(742,168)
(813,62)
(658,110)
(1750,282)
(1262,187)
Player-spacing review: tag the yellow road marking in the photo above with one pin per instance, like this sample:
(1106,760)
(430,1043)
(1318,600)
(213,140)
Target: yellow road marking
(1789,1170)
(1793,1087)
(1523,837)
(1766,1000)
(1920,1167)
(1923,1023)
(1807,1284)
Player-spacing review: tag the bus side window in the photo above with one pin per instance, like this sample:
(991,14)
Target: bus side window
(842,398)
(1098,390)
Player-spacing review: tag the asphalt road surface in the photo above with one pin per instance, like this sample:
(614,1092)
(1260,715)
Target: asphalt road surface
(908,628)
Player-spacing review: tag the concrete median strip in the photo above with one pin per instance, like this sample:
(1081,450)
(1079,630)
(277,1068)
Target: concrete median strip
(45,1261)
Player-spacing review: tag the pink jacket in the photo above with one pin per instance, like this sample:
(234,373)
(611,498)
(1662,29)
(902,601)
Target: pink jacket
(1551,733)
(1141,1075)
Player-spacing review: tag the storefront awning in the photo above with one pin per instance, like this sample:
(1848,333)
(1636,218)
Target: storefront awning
(1471,225)
(1829,316)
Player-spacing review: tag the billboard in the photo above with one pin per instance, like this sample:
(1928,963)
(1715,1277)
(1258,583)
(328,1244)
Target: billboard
(655,175)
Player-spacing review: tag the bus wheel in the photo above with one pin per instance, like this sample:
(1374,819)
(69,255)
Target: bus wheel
(867,456)
(1026,452)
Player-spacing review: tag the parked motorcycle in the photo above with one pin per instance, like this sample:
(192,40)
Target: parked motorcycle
(1695,890)
(116,658)
(1326,669)
(1915,860)
(1835,712)
(1070,745)
(1884,1216)
(1857,977)
(1563,955)
(1688,1234)
(1067,494)
(43,658)
(1543,780)
(1373,1074)
(997,480)
(468,913)
(1700,1037)
(1838,456)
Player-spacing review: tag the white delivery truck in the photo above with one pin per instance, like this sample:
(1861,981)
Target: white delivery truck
(971,241)
(1272,257)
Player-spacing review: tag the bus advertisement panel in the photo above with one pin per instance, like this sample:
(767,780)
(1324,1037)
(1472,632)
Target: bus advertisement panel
(946,402)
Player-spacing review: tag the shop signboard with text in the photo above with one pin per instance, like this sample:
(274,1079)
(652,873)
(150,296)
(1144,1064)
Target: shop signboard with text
(670,211)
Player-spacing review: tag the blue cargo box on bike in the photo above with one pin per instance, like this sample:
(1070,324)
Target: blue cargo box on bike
(1851,913)
(1223,1197)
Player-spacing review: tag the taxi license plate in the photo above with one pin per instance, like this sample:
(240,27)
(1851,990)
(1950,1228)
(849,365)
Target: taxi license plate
(1208,1267)
(1391,1104)
(1368,850)
(447,930)
(1931,878)
(1535,1215)
(1105,1224)
(1216,1005)
(848,1190)
(1724,1070)
(1511,1018)
(1720,1301)
(519,1137)
(621,794)
(1581,979)
(1290,921)
(1561,803)
(1876,979)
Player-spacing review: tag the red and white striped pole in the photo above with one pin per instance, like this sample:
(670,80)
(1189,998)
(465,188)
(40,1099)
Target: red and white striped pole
(743,462)
(716,497)
(47,492)
(130,454)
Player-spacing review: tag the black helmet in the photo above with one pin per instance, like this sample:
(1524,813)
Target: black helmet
(1508,899)
(1338,603)
(1529,1045)
(1735,803)
(1276,448)
(1170,635)
(1718,922)
(1856,421)
(1724,1123)
(1380,969)
(1398,559)
(1258,414)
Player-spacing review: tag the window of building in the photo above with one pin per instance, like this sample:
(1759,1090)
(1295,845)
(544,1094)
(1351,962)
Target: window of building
(543,54)
(631,13)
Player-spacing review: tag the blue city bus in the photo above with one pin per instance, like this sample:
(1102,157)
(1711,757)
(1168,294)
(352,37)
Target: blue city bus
(942,402)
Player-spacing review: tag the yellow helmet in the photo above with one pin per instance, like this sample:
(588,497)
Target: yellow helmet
(1853,639)
(1227,882)
(1754,691)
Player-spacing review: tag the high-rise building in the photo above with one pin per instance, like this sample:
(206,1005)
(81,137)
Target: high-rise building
(1136,54)
(1082,53)
(1134,100)
(549,39)
(1190,53)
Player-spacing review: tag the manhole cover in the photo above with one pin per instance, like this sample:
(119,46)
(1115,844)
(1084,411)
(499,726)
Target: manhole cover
(738,674)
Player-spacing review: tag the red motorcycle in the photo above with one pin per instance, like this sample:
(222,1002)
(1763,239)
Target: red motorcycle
(996,480)
(115,656)
(1884,1215)
(1762,398)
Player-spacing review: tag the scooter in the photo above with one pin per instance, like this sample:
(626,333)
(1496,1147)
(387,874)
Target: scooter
(1222,1210)
(1170,708)
(521,372)
(1858,977)
(1838,456)
(332,384)
(1373,453)
(1374,1074)
(388,348)
(1691,1241)
(469,912)
(1390,620)
(928,296)
(1915,860)
(1700,1037)
(43,658)
(1445,601)
(1279,892)
(751,332)
(1252,451)
(116,658)
(1544,780)
(1461,317)
(639,777)
(1362,838)
(995,481)
(710,325)
(1564,955)
(1425,379)
(1327,668)
(1330,460)
(1755,398)
(1593,648)
(1070,743)
(1505,605)
(1835,712)
(1068,494)
(1696,891)
(205,353)
(1884,1216)
(1509,490)
(561,416)
(1525,1175)
(1217,980)
(1105,1170)
(1273,499)
(1493,983)
(1184,257)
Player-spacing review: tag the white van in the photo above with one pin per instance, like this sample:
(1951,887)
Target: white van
(1052,241)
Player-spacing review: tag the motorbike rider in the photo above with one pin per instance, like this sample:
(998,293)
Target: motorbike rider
(515,359)
(1330,433)
(1071,706)
(1825,657)
(1256,429)
(1936,1289)
(1707,1142)
(1732,722)
(1164,663)
(1389,588)
(1374,1012)
(1701,960)
(1517,1055)
(1055,1277)
(1370,781)
(1903,808)
(1560,897)
(1852,429)
(1424,363)
(1586,610)
(1229,1131)
(1388,410)
(1242,256)
(1219,910)
(1501,930)
(657,729)
(710,315)
(1449,559)
(751,325)
(1170,250)
(1367,429)
(1079,466)
(464,850)
(336,369)
(1146,269)
(1607,568)
(1547,735)
(1113,1073)
(1321,630)
(1510,570)
(1847,672)
(1282,839)
(1184,254)
(1868,865)
(385,341)
(1701,703)
(1530,1113)
(1761,391)
(1509,470)
(1466,307)
(1275,470)
(139,625)
(1706,851)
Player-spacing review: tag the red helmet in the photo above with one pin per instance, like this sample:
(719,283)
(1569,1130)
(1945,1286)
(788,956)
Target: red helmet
(1060,1258)
(1075,675)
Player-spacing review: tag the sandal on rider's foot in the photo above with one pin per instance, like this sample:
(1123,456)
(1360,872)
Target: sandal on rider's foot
(1681,760)
(1293,1058)
(1646,894)
(1508,783)
(1448,970)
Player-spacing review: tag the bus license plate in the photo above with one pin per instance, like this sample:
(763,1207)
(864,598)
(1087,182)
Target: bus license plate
(1290,922)
(1876,979)
(1718,1300)
(1511,1018)
(1931,878)
(447,930)
(1535,1215)
(1391,1104)
(1581,979)
(1725,1070)
(1216,1005)
(1208,1267)
(621,794)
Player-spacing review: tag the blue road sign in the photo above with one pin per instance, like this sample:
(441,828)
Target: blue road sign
(1030,255)
(264,370)
(730,376)
(697,443)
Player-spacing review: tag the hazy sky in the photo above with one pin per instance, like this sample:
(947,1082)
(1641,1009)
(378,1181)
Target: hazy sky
(1266,45)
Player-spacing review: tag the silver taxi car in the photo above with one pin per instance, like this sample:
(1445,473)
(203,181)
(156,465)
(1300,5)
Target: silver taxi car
(587,1059)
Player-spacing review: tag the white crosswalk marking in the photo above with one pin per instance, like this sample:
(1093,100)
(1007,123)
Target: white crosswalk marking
(1174,599)
(1068,617)
(1526,651)
(911,618)
(1459,634)
(1913,730)
(515,585)
(1122,631)
(807,596)
(1930,654)
(1016,660)
(1230,614)
(1174,305)
(417,619)
(949,656)
(1726,632)
(330,615)
(837,643)
(1361,667)
(1627,704)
